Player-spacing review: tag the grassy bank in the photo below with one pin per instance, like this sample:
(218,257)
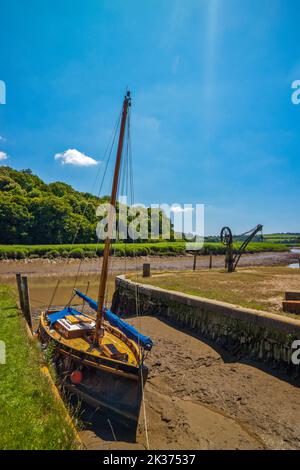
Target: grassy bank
(31,418)
(261,288)
(120,249)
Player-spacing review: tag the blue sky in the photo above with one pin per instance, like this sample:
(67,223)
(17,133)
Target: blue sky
(212,117)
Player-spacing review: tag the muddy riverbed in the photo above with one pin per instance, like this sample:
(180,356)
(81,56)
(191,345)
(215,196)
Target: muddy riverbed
(199,397)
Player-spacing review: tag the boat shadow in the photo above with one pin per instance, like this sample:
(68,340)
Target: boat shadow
(102,423)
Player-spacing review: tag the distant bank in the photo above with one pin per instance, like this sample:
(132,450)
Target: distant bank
(129,250)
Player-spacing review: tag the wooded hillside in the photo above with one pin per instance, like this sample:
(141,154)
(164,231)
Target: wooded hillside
(33,212)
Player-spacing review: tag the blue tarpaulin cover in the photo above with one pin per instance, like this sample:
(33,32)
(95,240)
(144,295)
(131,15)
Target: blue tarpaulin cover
(53,317)
(114,320)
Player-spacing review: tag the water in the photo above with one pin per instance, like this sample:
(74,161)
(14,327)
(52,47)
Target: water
(297,252)
(42,290)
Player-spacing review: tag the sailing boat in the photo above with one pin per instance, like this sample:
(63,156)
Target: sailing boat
(100,357)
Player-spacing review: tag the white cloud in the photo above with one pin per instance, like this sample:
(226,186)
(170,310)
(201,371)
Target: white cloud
(74,157)
(3,156)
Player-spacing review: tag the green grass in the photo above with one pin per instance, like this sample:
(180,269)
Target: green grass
(31,418)
(120,249)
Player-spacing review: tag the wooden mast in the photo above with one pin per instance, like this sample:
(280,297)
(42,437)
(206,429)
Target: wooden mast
(103,279)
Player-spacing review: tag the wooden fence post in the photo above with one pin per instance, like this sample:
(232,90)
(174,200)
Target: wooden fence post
(210,260)
(195,262)
(26,300)
(146,270)
(20,292)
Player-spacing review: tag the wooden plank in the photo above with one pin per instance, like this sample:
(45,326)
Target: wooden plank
(292,296)
(291,306)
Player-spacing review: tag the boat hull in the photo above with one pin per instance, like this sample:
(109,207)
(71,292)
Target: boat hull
(118,397)
(112,386)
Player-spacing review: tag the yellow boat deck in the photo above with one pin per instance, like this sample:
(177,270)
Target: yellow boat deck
(83,345)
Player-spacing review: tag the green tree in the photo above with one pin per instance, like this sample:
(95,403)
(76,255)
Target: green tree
(14,221)
(34,212)
(48,218)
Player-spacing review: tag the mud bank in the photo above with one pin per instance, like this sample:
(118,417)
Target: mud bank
(199,397)
(89,266)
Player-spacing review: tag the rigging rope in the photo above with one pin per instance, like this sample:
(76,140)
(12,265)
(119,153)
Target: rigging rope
(127,170)
(137,302)
(108,157)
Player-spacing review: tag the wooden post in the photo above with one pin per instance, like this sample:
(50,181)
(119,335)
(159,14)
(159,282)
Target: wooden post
(26,299)
(146,270)
(20,292)
(195,262)
(299,262)
(229,258)
(210,260)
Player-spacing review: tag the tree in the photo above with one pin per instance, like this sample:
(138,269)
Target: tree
(14,222)
(34,212)
(48,219)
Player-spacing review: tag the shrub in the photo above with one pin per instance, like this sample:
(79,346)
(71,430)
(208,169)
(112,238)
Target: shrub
(136,250)
(52,254)
(119,251)
(33,256)
(77,253)
(89,254)
(21,254)
(155,249)
(99,251)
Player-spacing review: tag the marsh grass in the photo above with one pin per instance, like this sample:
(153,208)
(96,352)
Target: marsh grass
(165,248)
